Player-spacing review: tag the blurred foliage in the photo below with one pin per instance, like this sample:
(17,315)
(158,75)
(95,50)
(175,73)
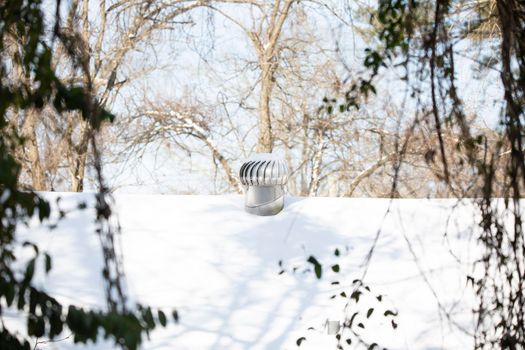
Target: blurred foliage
(45,316)
(426,36)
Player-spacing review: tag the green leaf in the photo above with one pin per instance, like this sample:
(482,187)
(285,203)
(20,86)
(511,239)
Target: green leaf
(162,318)
(9,293)
(107,116)
(56,323)
(48,262)
(336,252)
(33,298)
(35,326)
(299,341)
(318,269)
(74,98)
(30,271)
(44,209)
(21,298)
(369,312)
(175,315)
(352,319)
(32,245)
(148,318)
(390,313)
(355,295)
(335,268)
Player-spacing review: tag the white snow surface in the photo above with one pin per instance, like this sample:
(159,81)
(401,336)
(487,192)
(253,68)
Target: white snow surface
(219,267)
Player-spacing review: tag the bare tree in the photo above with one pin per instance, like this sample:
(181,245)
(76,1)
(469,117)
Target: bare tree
(174,123)
(107,42)
(264,33)
(295,68)
(280,92)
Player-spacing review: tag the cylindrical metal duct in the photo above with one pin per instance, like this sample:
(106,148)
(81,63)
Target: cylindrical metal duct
(264,178)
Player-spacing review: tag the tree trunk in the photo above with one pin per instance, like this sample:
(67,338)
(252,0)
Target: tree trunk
(304,154)
(265,141)
(317,163)
(36,171)
(77,163)
(268,54)
(78,173)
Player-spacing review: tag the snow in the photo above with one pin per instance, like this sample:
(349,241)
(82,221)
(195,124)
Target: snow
(219,267)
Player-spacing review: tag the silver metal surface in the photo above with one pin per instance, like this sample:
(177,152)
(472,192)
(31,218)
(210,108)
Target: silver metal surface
(332,327)
(264,178)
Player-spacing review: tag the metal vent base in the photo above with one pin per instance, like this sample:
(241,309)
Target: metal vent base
(264,200)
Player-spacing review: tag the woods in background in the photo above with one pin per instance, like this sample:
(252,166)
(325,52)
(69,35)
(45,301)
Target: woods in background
(264,76)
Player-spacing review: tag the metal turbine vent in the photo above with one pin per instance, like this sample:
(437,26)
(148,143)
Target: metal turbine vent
(264,178)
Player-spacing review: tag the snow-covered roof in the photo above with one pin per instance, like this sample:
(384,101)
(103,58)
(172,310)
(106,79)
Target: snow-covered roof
(219,266)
